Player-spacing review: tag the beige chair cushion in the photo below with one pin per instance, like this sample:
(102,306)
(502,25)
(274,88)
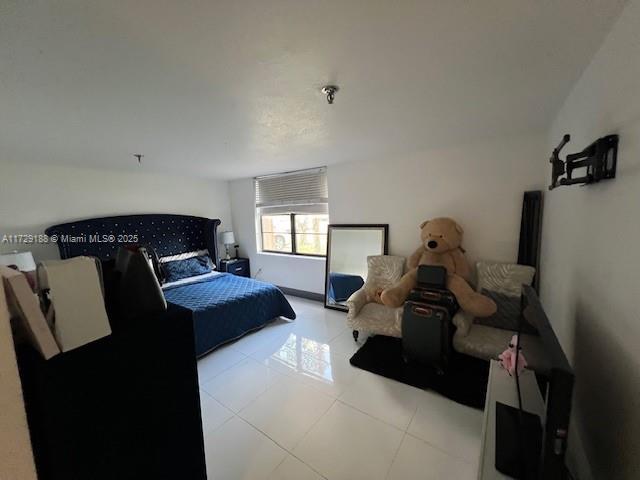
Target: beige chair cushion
(378,319)
(383,271)
(505,278)
(488,342)
(366,315)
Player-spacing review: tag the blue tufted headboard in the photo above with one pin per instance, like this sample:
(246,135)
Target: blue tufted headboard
(168,234)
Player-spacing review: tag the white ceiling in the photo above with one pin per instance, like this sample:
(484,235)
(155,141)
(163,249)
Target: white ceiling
(232,88)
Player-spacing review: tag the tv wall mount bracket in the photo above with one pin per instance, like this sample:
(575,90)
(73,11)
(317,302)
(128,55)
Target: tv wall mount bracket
(599,159)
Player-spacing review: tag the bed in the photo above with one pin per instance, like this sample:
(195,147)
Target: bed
(224,307)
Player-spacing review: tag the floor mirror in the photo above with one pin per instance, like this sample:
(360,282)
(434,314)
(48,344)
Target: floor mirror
(348,247)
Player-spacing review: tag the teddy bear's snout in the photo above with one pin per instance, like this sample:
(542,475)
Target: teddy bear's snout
(432,244)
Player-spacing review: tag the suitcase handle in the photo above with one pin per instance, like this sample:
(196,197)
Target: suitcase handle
(425,312)
(431,295)
(422,311)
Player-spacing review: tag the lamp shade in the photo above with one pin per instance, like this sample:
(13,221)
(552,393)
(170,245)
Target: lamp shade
(23,260)
(228,238)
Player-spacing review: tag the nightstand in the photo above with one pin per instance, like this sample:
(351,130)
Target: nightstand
(236,266)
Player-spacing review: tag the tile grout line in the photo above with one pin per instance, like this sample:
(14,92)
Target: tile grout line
(269,387)
(313,425)
(220,426)
(415,411)
(298,383)
(305,463)
(277,374)
(441,449)
(371,416)
(289,452)
(268,437)
(215,400)
(307,433)
(404,432)
(277,466)
(224,369)
(395,455)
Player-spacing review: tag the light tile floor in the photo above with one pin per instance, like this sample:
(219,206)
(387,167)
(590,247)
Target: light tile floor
(284,403)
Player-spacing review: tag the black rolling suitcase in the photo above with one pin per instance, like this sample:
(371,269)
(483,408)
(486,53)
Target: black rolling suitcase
(426,321)
(426,334)
(432,289)
(440,298)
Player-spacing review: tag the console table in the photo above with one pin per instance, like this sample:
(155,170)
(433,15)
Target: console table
(502,388)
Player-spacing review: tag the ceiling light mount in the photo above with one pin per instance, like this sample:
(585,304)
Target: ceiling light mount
(330,92)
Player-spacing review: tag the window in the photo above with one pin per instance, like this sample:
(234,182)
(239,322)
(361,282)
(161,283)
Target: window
(292,212)
(276,233)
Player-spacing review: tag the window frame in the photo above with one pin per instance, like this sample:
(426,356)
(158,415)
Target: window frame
(292,219)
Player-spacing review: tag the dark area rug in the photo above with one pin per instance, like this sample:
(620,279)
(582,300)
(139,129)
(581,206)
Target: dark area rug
(465,380)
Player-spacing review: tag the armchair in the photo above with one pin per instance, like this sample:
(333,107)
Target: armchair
(487,342)
(481,341)
(365,314)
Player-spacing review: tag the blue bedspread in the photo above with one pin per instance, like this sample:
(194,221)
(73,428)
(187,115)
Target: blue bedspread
(226,307)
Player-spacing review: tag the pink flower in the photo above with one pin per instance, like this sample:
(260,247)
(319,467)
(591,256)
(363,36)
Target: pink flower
(508,357)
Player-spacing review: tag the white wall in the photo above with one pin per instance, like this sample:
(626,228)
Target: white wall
(301,273)
(590,258)
(481,185)
(34,197)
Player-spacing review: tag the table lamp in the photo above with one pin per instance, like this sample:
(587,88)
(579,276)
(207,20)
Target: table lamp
(22,261)
(228,239)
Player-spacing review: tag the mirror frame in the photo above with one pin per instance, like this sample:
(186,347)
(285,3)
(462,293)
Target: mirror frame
(384,227)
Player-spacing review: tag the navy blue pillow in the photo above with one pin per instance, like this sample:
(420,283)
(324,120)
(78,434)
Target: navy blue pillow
(189,267)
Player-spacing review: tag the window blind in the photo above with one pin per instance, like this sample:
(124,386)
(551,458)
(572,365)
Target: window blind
(293,189)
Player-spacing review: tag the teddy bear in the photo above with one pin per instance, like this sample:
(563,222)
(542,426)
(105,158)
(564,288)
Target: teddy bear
(441,245)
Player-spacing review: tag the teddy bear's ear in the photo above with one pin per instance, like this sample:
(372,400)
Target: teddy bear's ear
(459,229)
(424,223)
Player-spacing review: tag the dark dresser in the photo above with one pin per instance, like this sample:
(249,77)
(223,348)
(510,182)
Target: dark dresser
(124,407)
(236,266)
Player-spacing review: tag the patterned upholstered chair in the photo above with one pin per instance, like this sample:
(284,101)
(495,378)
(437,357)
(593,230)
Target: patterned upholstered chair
(365,315)
(488,342)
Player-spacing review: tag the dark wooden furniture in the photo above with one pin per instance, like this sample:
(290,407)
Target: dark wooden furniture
(236,266)
(123,407)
